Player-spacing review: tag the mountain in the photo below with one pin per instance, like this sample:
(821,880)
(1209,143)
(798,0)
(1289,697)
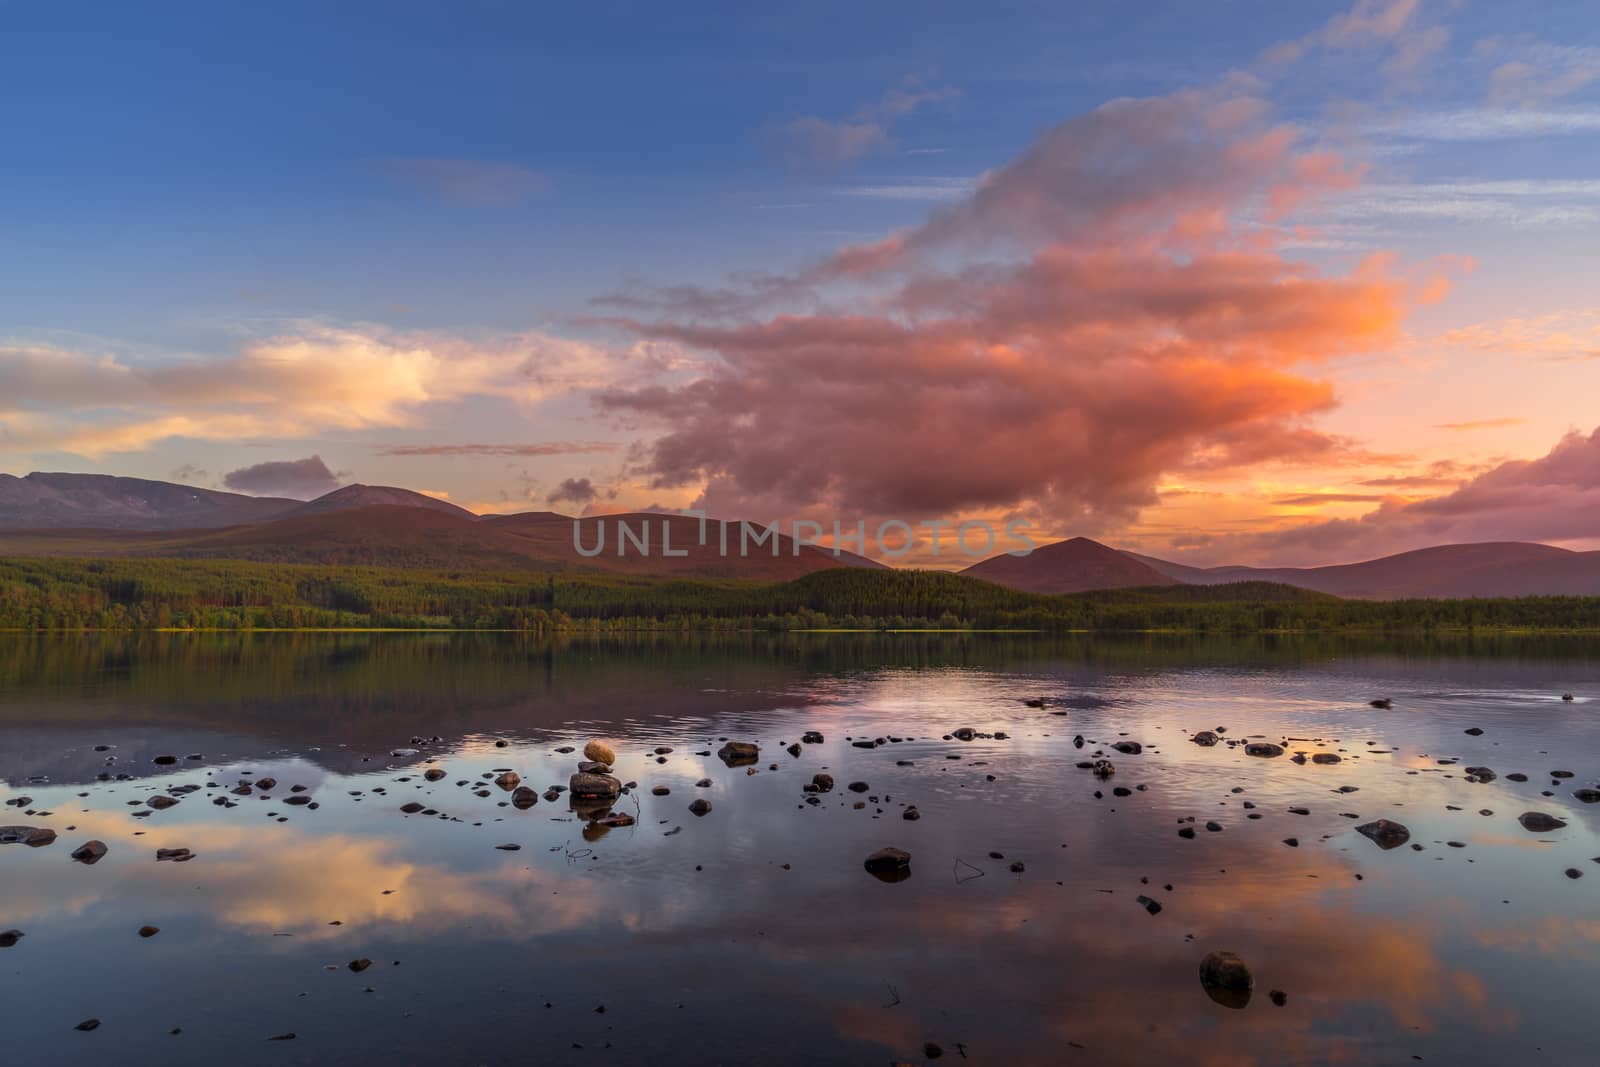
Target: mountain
(551,536)
(1072,566)
(1487,569)
(428,536)
(374,496)
(101,501)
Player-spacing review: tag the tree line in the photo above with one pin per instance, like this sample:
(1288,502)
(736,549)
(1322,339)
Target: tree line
(134,594)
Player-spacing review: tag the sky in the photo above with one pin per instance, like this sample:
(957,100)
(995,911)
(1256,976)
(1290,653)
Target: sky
(1234,282)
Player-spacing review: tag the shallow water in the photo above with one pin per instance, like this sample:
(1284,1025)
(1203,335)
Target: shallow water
(754,933)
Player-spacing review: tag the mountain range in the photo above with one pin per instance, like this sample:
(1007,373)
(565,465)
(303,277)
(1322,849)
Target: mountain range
(94,515)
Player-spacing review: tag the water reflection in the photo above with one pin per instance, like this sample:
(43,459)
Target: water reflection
(754,933)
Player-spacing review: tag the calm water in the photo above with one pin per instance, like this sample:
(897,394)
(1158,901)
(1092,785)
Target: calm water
(753,934)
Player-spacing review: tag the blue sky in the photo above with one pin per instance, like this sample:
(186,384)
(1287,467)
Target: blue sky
(181,181)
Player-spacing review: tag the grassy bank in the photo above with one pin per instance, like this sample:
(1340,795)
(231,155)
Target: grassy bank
(128,594)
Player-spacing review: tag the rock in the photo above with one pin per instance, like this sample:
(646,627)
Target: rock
(174,855)
(149,931)
(600,752)
(1226,979)
(823,782)
(1214,827)
(1516,776)
(1473,731)
(1573,872)
(594,785)
(1568,696)
(1205,738)
(911,814)
(660,791)
(1263,748)
(1128,748)
(524,797)
(299,800)
(357,966)
(888,860)
(1278,997)
(508,780)
(165,761)
(593,767)
(1149,904)
(266,783)
(739,753)
(509,847)
(615,820)
(90,852)
(1561,774)
(1103,768)
(1385,834)
(701,806)
(1186,831)
(1017,866)
(1292,842)
(9,938)
(432,774)
(32,836)
(705,783)
(811,737)
(1539,822)
(1382,702)
(1326,757)
(794,750)
(87,1025)
(858,787)
(411,808)
(1588,796)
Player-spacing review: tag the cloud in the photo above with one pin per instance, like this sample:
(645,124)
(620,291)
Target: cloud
(812,142)
(1307,500)
(544,448)
(472,182)
(1555,497)
(574,491)
(309,379)
(1561,336)
(1479,424)
(1090,316)
(300,478)
(1490,124)
(1538,72)
(915,190)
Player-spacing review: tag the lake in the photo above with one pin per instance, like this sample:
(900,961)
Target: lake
(754,932)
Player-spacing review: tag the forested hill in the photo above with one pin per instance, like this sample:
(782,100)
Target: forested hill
(65,594)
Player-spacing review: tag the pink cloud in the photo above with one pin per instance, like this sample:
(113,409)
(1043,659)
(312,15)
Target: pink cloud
(1090,317)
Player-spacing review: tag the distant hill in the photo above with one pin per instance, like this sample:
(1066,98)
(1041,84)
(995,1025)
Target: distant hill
(100,501)
(435,535)
(1072,566)
(372,496)
(1488,569)
(549,535)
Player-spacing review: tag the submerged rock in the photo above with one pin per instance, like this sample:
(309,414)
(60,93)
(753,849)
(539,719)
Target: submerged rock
(1385,834)
(594,785)
(90,852)
(888,859)
(1103,768)
(1263,748)
(1326,757)
(1226,979)
(739,753)
(1539,822)
(1128,748)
